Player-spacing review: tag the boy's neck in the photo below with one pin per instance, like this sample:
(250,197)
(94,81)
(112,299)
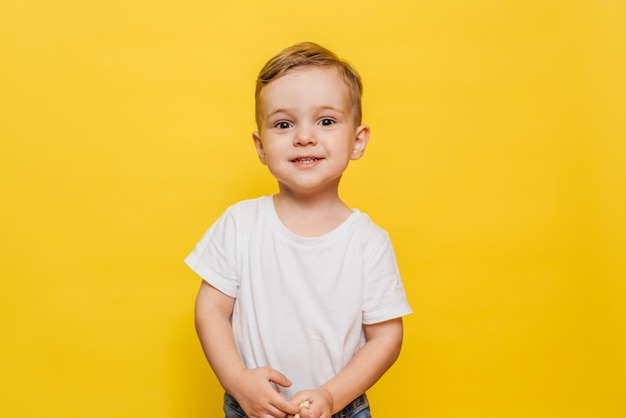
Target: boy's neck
(310,215)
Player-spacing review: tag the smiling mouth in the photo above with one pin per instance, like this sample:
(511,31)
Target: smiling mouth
(305,160)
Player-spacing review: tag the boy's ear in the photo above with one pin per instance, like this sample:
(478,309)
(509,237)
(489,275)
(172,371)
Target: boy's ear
(256,137)
(361,139)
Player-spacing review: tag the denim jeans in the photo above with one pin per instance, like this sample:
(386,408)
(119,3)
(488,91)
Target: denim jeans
(358,408)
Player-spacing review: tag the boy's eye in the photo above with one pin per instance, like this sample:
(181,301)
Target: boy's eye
(282,125)
(326,122)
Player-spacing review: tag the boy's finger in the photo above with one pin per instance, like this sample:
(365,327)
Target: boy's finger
(287,407)
(279,378)
(304,404)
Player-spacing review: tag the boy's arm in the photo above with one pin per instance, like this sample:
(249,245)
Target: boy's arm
(382,347)
(250,387)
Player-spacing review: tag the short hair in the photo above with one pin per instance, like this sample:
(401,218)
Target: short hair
(309,54)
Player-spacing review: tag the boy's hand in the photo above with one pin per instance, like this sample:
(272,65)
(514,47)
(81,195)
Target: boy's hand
(320,403)
(256,396)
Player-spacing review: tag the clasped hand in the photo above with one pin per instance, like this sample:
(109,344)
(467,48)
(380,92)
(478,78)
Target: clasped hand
(314,403)
(253,390)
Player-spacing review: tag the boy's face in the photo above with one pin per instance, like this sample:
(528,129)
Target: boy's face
(307,131)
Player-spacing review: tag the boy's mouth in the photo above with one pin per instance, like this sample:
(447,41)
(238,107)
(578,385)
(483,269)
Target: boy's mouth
(305,160)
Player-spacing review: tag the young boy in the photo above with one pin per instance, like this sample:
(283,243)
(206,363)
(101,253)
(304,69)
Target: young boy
(300,310)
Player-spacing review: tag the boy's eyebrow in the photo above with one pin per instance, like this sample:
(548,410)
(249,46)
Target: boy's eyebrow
(328,107)
(279,110)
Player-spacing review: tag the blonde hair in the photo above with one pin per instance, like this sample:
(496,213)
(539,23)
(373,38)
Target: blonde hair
(310,54)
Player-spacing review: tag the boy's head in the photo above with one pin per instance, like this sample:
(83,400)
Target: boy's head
(312,55)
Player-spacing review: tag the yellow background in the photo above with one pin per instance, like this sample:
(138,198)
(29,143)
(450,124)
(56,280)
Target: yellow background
(497,164)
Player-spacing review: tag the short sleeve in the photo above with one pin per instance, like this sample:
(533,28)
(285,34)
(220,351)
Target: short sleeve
(214,257)
(384,295)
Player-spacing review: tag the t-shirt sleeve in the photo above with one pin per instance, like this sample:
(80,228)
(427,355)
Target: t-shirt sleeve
(384,295)
(214,257)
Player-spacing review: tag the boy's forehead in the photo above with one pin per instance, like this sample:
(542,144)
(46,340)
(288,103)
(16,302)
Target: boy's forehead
(309,81)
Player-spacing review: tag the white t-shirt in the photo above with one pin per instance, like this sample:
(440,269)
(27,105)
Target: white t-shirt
(300,302)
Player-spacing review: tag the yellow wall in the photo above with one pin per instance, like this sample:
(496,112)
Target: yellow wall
(497,164)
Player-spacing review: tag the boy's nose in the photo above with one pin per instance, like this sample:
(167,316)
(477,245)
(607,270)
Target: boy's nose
(304,137)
